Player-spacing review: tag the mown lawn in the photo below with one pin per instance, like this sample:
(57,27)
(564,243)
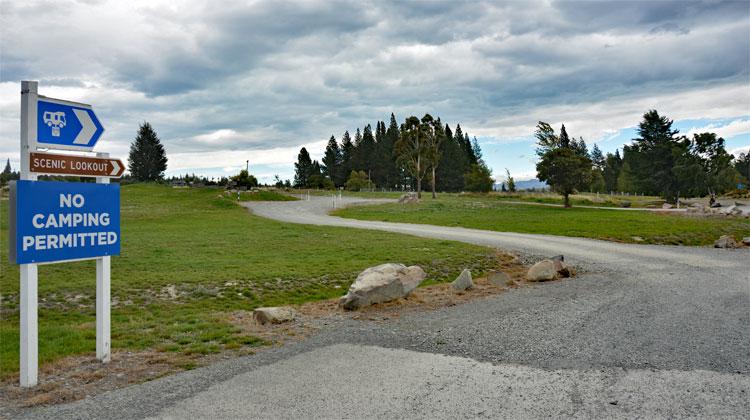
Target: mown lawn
(219,258)
(491,213)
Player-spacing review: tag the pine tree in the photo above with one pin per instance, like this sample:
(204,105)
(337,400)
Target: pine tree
(366,151)
(651,158)
(347,158)
(453,164)
(147,160)
(563,163)
(332,161)
(303,169)
(597,158)
(394,176)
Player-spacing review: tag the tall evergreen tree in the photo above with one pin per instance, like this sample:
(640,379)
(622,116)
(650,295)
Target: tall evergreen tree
(147,160)
(562,164)
(347,158)
(453,164)
(332,161)
(366,151)
(394,175)
(302,169)
(597,157)
(652,156)
(613,164)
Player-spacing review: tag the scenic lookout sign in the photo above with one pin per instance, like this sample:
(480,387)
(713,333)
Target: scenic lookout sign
(55,221)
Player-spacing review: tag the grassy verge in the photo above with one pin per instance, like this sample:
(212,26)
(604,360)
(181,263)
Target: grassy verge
(192,256)
(487,212)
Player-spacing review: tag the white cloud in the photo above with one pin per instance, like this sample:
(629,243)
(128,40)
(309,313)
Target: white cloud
(734,128)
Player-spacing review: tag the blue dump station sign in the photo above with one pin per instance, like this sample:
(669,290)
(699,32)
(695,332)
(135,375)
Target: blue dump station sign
(57,221)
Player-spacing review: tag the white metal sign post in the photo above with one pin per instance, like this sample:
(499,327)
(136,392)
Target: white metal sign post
(57,124)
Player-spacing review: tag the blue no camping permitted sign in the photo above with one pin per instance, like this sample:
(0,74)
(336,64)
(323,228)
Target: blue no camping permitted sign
(58,221)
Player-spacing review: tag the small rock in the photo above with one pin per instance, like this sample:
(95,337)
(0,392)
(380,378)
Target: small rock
(625,204)
(564,270)
(170,291)
(715,205)
(726,241)
(638,239)
(409,198)
(463,281)
(746,240)
(542,271)
(667,206)
(274,315)
(498,278)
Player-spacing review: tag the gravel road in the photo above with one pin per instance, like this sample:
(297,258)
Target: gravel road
(646,331)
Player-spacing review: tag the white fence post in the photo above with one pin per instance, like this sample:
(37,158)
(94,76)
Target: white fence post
(103,298)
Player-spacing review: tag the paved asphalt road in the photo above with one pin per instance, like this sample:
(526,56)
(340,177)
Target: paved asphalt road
(646,331)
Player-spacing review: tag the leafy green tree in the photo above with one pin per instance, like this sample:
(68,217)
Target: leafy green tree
(302,169)
(562,164)
(244,179)
(433,140)
(479,178)
(147,160)
(332,161)
(509,181)
(358,181)
(715,164)
(410,151)
(742,165)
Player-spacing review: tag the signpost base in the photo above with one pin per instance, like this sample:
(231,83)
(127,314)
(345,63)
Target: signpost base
(29,325)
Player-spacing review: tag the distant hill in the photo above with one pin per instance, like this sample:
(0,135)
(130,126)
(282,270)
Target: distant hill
(526,185)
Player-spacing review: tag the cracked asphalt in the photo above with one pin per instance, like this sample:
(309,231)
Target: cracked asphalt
(646,331)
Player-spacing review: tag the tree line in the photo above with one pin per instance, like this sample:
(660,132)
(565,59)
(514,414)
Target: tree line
(398,156)
(658,162)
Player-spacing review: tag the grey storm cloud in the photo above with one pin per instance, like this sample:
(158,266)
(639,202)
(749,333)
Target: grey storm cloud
(284,73)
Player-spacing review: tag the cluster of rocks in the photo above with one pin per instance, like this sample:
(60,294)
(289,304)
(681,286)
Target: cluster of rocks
(736,210)
(409,198)
(728,241)
(391,281)
(550,269)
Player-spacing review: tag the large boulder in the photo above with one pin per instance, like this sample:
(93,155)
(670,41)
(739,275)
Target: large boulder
(409,198)
(382,283)
(542,271)
(274,315)
(463,281)
(726,241)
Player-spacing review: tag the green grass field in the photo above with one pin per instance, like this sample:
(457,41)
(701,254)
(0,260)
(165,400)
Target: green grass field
(492,213)
(220,258)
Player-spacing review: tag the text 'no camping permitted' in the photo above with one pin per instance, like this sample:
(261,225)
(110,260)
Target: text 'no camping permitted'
(58,221)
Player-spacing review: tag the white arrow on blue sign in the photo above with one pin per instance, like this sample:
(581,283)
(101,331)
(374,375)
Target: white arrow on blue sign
(66,125)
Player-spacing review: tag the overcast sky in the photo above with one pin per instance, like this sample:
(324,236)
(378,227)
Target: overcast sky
(224,82)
